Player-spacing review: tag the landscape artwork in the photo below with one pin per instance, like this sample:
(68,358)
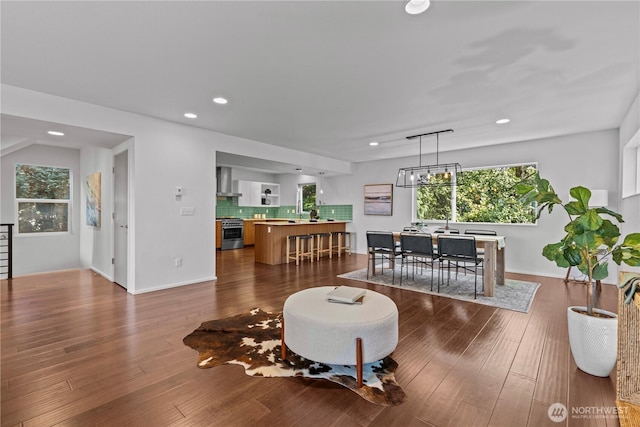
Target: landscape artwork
(94,199)
(378,199)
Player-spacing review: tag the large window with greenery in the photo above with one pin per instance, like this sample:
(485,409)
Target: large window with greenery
(485,195)
(306,197)
(43,198)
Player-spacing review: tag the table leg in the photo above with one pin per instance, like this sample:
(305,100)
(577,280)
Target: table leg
(500,266)
(489,267)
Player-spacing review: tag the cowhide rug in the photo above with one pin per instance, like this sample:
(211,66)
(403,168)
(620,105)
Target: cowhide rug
(252,340)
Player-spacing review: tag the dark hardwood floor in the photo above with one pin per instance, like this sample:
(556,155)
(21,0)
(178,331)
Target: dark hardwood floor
(78,350)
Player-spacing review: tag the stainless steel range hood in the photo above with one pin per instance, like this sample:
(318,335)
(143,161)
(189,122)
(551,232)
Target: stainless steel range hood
(224,185)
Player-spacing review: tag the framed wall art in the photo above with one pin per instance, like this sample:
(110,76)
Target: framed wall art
(94,199)
(378,199)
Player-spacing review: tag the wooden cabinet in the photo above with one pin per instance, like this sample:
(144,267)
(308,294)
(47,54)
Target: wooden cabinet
(218,234)
(249,232)
(263,194)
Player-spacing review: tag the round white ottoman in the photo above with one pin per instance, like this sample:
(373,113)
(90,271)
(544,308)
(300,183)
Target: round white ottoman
(327,332)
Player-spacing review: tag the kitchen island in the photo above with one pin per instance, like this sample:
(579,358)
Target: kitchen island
(271,237)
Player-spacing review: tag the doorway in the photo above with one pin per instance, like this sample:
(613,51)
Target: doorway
(120,217)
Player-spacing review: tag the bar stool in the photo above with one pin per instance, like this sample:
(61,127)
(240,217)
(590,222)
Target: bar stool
(341,242)
(320,244)
(299,252)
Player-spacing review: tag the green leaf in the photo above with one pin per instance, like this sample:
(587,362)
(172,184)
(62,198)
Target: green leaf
(616,215)
(582,196)
(585,239)
(572,255)
(574,208)
(590,220)
(523,189)
(600,271)
(632,240)
(555,252)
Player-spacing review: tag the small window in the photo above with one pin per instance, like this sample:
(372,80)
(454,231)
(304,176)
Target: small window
(486,195)
(306,197)
(43,198)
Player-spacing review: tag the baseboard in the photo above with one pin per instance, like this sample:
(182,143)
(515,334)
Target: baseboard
(175,285)
(106,276)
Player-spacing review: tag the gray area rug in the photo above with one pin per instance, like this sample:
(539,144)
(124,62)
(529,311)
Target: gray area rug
(515,295)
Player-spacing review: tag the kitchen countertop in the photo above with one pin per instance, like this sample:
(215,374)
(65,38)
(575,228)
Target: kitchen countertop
(300,222)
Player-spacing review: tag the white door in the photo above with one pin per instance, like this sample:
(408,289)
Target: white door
(121,219)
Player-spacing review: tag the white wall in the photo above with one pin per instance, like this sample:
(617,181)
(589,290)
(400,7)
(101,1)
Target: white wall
(96,243)
(630,206)
(39,253)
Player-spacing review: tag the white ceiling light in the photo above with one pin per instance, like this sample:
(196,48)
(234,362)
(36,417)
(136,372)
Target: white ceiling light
(373,143)
(191,115)
(502,121)
(55,133)
(220,100)
(415,7)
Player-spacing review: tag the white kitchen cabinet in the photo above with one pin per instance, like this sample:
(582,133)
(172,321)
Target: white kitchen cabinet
(258,193)
(243,187)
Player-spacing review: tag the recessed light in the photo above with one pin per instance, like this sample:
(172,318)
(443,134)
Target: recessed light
(502,121)
(191,115)
(220,100)
(298,170)
(55,133)
(373,143)
(415,7)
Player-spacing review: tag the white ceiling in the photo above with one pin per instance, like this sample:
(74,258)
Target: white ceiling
(328,77)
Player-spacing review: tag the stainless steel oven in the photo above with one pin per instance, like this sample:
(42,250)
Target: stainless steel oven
(232,233)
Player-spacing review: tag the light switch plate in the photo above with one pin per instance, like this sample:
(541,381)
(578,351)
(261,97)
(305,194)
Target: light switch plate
(187,211)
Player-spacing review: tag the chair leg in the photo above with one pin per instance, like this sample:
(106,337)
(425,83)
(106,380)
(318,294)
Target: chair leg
(359,361)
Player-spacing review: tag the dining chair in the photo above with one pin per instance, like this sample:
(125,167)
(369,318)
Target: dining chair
(383,244)
(461,251)
(417,249)
(481,232)
(451,231)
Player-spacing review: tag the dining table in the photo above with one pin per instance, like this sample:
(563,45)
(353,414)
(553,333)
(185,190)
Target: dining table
(494,257)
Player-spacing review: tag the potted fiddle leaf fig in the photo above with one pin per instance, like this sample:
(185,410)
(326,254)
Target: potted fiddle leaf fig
(591,240)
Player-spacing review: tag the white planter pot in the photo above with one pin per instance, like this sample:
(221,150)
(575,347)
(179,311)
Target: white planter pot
(593,340)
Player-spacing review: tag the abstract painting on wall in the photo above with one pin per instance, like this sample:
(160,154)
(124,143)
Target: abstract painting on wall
(378,199)
(94,202)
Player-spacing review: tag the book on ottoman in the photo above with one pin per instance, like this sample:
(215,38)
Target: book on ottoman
(346,295)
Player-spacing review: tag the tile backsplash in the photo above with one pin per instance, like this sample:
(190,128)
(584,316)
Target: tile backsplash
(228,207)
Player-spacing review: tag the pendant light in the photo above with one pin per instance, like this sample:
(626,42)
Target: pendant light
(321,175)
(437,175)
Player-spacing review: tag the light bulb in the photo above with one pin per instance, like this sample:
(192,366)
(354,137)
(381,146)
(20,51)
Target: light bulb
(415,7)
(411,176)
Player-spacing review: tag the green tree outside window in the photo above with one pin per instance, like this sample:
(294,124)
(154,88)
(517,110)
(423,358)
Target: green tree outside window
(483,195)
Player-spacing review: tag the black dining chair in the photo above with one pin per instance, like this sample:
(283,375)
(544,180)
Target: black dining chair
(478,232)
(451,231)
(461,251)
(481,232)
(417,250)
(382,244)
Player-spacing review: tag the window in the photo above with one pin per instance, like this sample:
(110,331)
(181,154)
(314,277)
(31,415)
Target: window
(483,195)
(42,199)
(306,197)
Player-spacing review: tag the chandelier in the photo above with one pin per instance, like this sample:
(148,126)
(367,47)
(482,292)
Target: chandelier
(438,175)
